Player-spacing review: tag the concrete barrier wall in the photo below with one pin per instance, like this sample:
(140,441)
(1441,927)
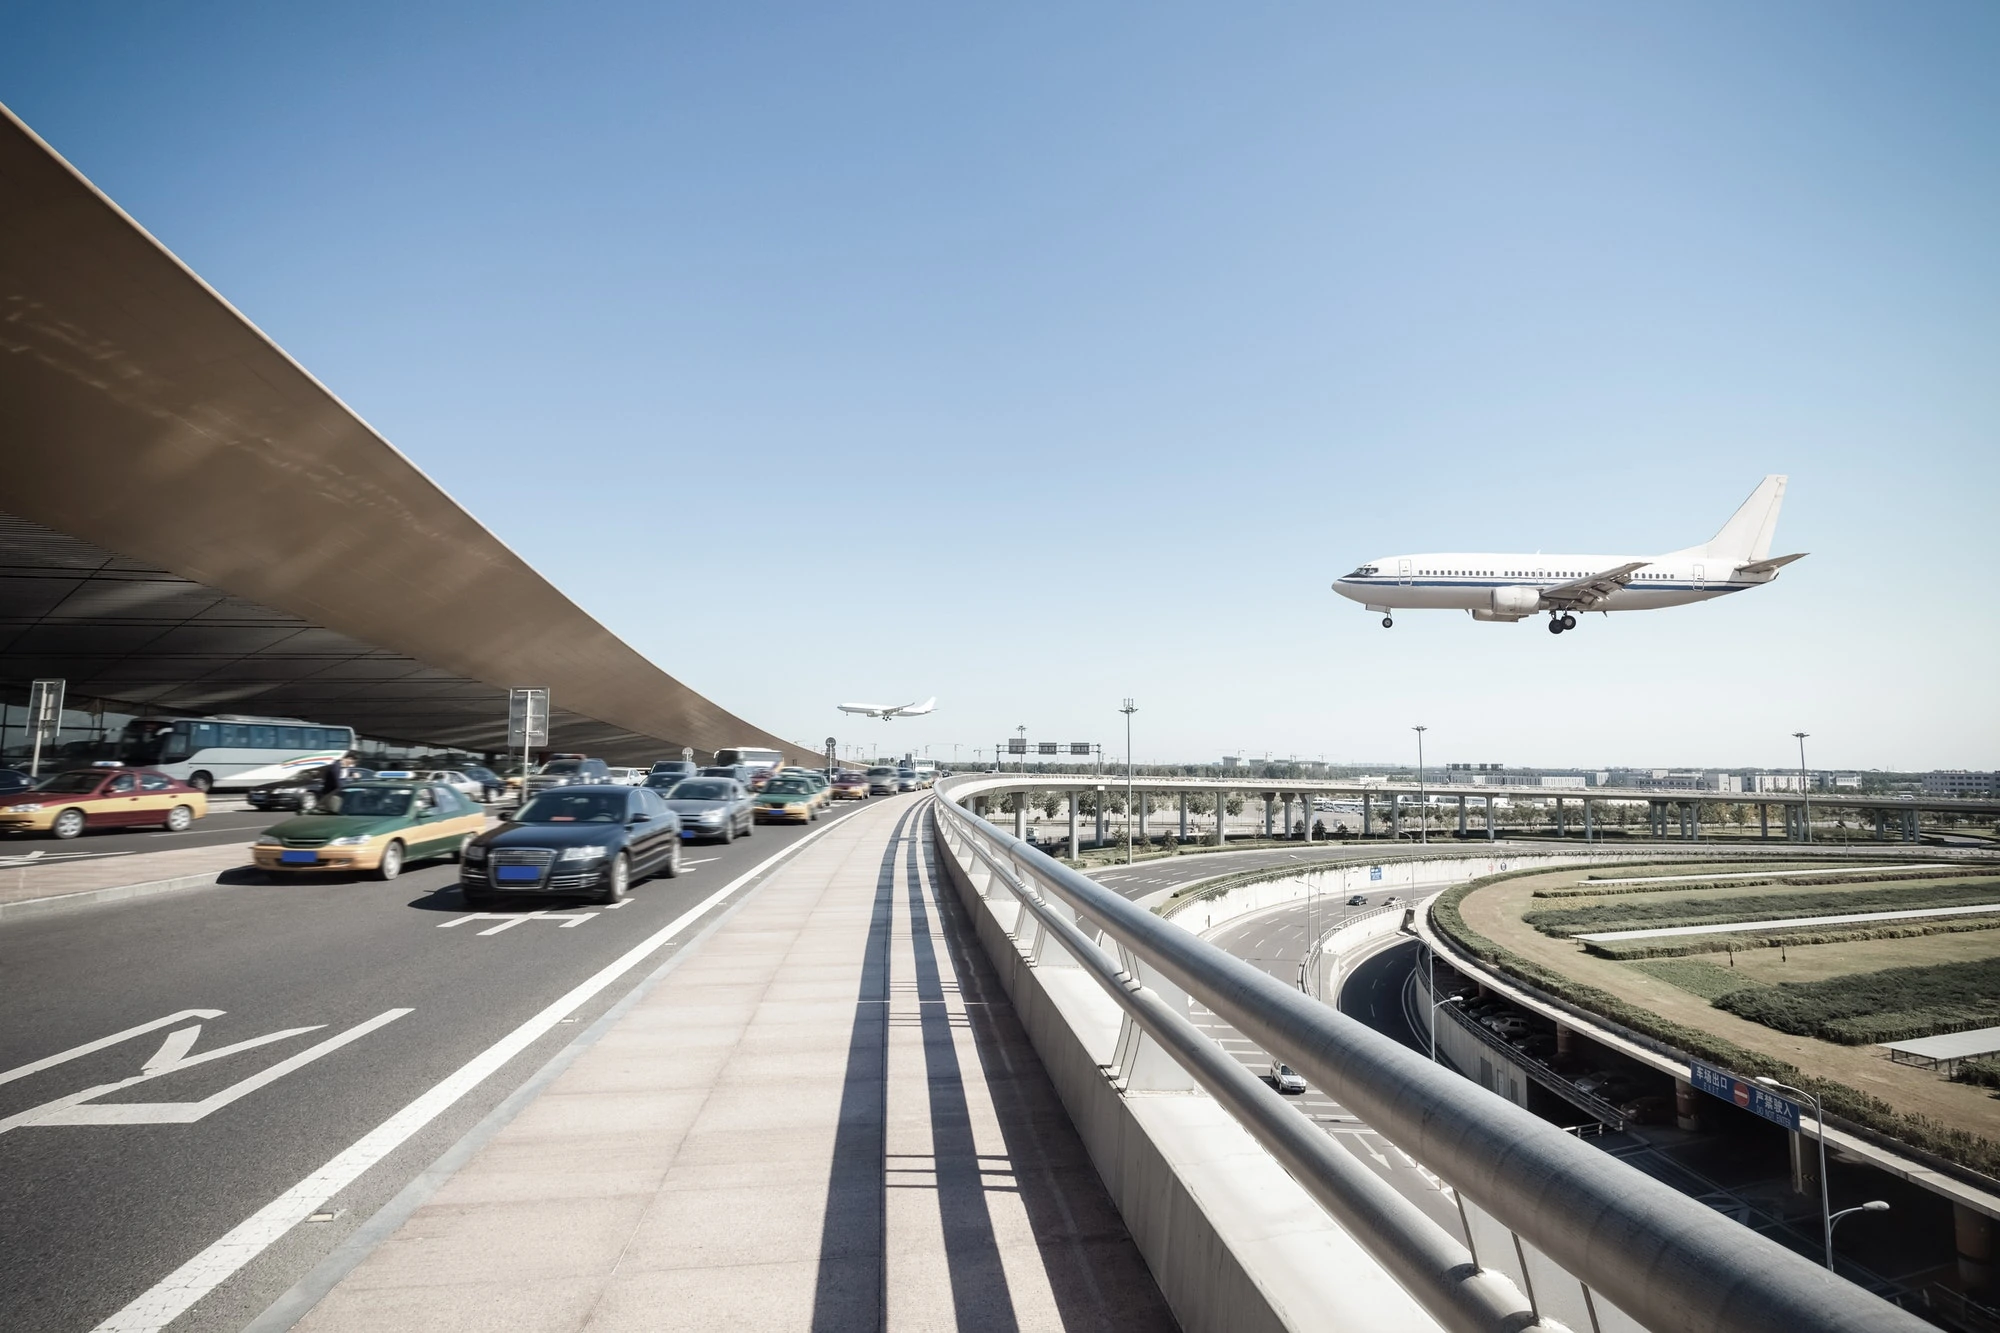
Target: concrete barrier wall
(1235,1244)
(1339,882)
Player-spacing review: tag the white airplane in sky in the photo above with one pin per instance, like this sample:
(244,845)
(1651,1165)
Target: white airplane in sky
(1513,587)
(890,712)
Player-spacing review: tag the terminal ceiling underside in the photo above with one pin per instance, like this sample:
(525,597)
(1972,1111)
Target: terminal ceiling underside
(194,523)
(134,634)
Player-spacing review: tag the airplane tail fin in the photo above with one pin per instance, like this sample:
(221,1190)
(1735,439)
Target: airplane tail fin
(1746,537)
(924,707)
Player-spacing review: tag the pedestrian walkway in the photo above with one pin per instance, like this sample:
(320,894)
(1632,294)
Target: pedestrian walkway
(39,878)
(824,1117)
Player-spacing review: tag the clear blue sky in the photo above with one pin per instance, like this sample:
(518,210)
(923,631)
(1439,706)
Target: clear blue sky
(1035,356)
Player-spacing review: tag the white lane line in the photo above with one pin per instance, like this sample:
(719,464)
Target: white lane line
(174,1294)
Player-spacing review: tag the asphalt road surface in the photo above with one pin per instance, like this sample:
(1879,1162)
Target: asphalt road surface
(380,991)
(1170,872)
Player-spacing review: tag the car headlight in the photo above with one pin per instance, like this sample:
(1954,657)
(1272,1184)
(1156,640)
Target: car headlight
(583,853)
(707,816)
(269,842)
(357,840)
(796,805)
(474,852)
(29,808)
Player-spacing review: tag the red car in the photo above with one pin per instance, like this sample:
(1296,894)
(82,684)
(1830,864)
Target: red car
(65,804)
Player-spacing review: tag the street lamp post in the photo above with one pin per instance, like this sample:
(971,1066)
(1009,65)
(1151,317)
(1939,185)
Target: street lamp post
(1872,1206)
(1023,733)
(1128,710)
(1435,1006)
(1805,825)
(1819,1118)
(1423,800)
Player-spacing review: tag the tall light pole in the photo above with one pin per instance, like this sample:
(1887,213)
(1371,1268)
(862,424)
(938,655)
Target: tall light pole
(1805,825)
(1819,1115)
(1423,800)
(1128,710)
(1023,732)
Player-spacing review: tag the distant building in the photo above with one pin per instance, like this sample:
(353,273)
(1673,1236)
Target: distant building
(1958,782)
(1777,782)
(1569,780)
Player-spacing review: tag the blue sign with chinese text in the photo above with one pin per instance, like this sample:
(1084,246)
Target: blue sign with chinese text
(1374,872)
(1752,1097)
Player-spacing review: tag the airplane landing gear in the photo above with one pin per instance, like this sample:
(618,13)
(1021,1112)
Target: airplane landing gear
(1388,622)
(1560,623)
(1555,625)
(1569,622)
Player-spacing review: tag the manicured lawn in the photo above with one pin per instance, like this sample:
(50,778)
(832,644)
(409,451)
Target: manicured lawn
(1892,1005)
(1625,914)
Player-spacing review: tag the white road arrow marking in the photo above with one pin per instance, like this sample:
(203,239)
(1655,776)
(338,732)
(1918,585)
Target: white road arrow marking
(75,1052)
(79,1108)
(509,920)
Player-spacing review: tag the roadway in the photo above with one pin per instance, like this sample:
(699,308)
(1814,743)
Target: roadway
(27,851)
(96,1214)
(1171,872)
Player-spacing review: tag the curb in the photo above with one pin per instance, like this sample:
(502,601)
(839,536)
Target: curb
(64,902)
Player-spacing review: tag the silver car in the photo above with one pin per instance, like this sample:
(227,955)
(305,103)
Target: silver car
(712,809)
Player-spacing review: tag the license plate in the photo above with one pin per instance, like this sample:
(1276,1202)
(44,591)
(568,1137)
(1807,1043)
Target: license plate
(299,858)
(529,873)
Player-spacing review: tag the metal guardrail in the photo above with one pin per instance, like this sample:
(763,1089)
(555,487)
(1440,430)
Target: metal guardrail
(1661,1258)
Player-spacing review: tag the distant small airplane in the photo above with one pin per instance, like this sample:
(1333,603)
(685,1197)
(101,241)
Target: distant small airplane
(890,712)
(1513,587)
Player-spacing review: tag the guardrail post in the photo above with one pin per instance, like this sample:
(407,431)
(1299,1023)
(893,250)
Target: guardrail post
(1138,1064)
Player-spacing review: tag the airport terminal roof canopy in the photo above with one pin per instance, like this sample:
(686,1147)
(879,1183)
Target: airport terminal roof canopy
(193,523)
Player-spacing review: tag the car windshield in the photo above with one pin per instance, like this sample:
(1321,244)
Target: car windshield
(581,806)
(881,772)
(663,781)
(374,801)
(699,789)
(789,787)
(562,766)
(71,784)
(481,774)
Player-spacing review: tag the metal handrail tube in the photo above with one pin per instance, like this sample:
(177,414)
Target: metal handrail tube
(1437,1271)
(1671,1263)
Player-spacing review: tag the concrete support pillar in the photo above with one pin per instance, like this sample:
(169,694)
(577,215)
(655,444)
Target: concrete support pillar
(1285,814)
(1491,832)
(1221,818)
(1270,801)
(1565,1040)
(1461,814)
(1972,1236)
(1589,823)
(1395,816)
(1144,801)
(1367,815)
(1694,819)
(979,806)
(1763,821)
(1073,848)
(1911,831)
(1183,816)
(1020,814)
(1561,832)
(1687,1105)
(1881,827)
(1101,802)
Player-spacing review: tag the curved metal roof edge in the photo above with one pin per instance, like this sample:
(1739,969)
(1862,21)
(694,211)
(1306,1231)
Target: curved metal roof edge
(247,474)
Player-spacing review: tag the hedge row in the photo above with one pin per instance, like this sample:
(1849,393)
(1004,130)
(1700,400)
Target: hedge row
(1563,922)
(1894,1004)
(1983,1072)
(1683,946)
(1814,881)
(1697,976)
(1955,1145)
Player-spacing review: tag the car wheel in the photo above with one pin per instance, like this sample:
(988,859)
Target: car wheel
(672,869)
(68,824)
(729,833)
(617,881)
(179,819)
(201,781)
(308,802)
(392,862)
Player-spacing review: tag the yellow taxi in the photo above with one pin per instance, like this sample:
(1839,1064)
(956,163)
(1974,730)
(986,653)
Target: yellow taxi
(63,805)
(376,826)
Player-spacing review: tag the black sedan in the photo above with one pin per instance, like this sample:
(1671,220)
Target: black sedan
(715,808)
(304,791)
(594,842)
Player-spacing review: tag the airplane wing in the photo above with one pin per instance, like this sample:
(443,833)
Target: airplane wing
(1771,566)
(917,710)
(867,710)
(1585,593)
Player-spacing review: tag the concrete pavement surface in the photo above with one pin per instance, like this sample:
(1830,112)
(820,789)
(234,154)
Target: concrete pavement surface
(330,1007)
(824,1116)
(1171,872)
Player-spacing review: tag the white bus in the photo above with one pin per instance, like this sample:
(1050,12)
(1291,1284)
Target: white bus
(750,755)
(232,752)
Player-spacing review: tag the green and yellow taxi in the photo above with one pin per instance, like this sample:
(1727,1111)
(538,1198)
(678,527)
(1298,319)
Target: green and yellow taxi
(786,800)
(372,827)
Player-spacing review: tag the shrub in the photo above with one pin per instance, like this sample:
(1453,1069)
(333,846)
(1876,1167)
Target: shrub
(1895,1004)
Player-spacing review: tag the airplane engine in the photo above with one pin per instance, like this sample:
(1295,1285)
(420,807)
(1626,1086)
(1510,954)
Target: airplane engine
(1478,614)
(1514,603)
